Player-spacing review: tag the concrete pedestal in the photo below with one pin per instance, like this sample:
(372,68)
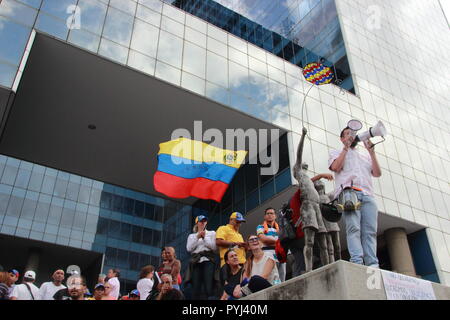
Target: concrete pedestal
(340,280)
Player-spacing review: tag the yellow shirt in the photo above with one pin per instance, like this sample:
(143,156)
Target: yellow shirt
(228,233)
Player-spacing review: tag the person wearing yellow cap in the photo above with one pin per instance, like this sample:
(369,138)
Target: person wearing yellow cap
(228,236)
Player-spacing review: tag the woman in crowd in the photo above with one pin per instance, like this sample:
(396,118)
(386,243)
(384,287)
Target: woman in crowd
(260,270)
(260,263)
(231,274)
(108,290)
(145,283)
(202,246)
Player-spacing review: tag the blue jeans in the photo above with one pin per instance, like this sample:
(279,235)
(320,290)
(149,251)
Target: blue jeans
(361,228)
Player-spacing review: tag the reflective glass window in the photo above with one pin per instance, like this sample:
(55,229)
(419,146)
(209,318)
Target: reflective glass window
(118,26)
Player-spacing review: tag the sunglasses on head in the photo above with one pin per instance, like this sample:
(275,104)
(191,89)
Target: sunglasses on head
(253,240)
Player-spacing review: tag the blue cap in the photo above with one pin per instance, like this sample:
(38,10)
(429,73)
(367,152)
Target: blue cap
(238,216)
(135,292)
(98,285)
(200,218)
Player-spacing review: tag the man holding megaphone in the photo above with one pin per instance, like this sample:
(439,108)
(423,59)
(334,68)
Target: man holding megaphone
(354,190)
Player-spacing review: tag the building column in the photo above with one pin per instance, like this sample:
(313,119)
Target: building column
(399,252)
(34,255)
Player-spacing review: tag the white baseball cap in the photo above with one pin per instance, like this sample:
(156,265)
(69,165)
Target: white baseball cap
(30,274)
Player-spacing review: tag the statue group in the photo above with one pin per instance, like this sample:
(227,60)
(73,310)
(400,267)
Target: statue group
(314,226)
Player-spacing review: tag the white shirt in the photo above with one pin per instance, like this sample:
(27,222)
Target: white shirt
(357,168)
(258,269)
(144,286)
(21,292)
(115,287)
(48,289)
(196,245)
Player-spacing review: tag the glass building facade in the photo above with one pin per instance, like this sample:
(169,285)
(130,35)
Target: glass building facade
(236,65)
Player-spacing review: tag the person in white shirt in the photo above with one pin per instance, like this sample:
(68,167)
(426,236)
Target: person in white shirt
(27,290)
(145,283)
(48,289)
(113,281)
(202,246)
(355,169)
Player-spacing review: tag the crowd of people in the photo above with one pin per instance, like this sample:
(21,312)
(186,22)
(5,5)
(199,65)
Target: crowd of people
(240,267)
(222,266)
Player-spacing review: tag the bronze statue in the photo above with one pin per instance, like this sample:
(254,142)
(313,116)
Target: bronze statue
(311,217)
(333,241)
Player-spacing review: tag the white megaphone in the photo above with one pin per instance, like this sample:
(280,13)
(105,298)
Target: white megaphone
(378,130)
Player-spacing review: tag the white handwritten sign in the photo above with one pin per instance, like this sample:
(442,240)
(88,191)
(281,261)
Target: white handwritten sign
(401,287)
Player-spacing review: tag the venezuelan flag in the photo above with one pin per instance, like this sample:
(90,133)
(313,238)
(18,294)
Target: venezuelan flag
(193,168)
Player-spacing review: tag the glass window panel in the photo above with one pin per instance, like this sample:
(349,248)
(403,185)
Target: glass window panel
(278,96)
(33,3)
(114,229)
(139,208)
(129,6)
(18,12)
(195,37)
(217,47)
(42,211)
(148,15)
(147,236)
(106,200)
(67,217)
(237,43)
(196,23)
(314,112)
(257,66)
(172,26)
(54,215)
(72,191)
(217,93)
(52,26)
(58,8)
(276,74)
(102,226)
(141,62)
(157,239)
(29,205)
(217,69)
(16,36)
(152,4)
(170,49)
(194,59)
(128,206)
(136,234)
(92,15)
(240,102)
(145,38)
(238,56)
(113,51)
(111,256)
(9,175)
(159,214)
(83,195)
(149,211)
(238,78)
(174,13)
(84,39)
(168,73)
(23,177)
(36,181)
(79,221)
(193,83)
(118,26)
(48,184)
(117,202)
(125,232)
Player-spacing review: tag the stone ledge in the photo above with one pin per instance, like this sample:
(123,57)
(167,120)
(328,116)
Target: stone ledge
(340,280)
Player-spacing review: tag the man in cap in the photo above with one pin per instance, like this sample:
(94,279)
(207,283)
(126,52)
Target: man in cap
(228,236)
(14,275)
(99,291)
(134,295)
(27,290)
(48,289)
